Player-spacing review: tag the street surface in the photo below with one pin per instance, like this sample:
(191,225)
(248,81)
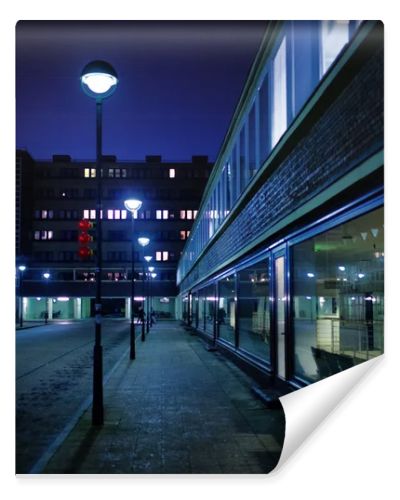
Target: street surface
(54,377)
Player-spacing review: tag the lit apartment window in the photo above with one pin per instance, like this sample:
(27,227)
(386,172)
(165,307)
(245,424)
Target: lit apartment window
(182,235)
(165,214)
(123,214)
(37,235)
(189,214)
(194,214)
(158,214)
(44,214)
(110,172)
(117,214)
(89,172)
(110,214)
(171,173)
(165,255)
(183,214)
(123,172)
(117,172)
(92,214)
(158,256)
(86,214)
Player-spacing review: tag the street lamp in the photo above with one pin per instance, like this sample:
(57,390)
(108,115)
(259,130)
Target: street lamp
(46,276)
(133,205)
(143,242)
(98,80)
(148,258)
(21,270)
(151,270)
(153,275)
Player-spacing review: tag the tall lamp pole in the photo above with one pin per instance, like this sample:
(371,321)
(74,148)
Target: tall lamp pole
(21,270)
(143,242)
(99,80)
(133,205)
(46,276)
(148,258)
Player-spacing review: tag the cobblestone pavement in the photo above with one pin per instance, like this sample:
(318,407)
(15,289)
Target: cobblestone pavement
(179,409)
(54,377)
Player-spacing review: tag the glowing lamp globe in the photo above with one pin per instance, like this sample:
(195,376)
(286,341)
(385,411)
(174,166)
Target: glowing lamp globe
(132,205)
(99,79)
(143,241)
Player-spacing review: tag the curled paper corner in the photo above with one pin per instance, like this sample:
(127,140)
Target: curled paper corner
(306,408)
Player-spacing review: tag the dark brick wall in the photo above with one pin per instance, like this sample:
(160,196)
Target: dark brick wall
(346,129)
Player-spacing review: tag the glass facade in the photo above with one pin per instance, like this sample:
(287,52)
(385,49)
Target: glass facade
(338,297)
(303,53)
(226,309)
(254,310)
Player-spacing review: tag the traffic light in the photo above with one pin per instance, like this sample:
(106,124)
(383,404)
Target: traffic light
(84,238)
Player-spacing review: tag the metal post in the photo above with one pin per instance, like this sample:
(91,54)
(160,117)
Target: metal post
(97,408)
(20,300)
(148,302)
(143,296)
(132,339)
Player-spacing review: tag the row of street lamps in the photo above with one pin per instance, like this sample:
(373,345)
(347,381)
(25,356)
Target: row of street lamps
(99,81)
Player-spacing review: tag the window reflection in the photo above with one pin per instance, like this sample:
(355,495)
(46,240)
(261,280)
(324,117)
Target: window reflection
(226,308)
(254,317)
(339,297)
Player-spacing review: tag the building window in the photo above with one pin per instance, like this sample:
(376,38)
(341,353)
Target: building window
(171,173)
(111,172)
(165,214)
(110,214)
(183,214)
(92,214)
(279,94)
(254,317)
(158,256)
(334,36)
(123,214)
(227,309)
(338,297)
(117,214)
(44,214)
(165,255)
(89,172)
(86,214)
(158,214)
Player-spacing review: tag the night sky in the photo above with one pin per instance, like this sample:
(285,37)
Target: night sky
(179,86)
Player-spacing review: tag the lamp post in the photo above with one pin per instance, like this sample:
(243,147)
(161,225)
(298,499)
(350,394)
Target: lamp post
(46,276)
(151,270)
(148,258)
(153,276)
(21,270)
(133,205)
(143,242)
(99,80)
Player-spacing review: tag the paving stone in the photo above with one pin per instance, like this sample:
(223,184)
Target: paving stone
(177,409)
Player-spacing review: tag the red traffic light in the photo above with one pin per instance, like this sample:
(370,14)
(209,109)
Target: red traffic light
(85,225)
(85,238)
(85,252)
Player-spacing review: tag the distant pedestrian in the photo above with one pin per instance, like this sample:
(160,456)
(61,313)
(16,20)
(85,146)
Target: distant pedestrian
(152,317)
(141,315)
(46,317)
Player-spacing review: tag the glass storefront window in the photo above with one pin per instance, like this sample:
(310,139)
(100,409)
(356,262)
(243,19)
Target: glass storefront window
(338,297)
(209,304)
(226,308)
(254,317)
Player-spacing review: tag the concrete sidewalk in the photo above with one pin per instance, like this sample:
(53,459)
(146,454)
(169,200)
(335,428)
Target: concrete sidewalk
(176,409)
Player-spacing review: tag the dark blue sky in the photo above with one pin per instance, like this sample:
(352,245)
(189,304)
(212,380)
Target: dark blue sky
(179,85)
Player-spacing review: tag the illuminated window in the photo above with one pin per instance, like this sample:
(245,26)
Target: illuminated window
(172,173)
(110,172)
(92,214)
(194,214)
(165,255)
(189,214)
(165,214)
(44,214)
(117,172)
(110,214)
(89,172)
(158,256)
(279,100)
(117,214)
(183,214)
(334,35)
(86,214)
(158,214)
(183,235)
(123,214)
